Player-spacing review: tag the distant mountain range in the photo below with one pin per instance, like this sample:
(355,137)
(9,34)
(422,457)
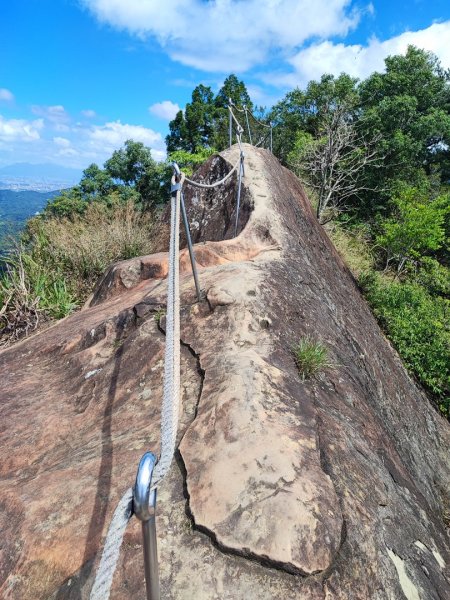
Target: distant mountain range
(42,177)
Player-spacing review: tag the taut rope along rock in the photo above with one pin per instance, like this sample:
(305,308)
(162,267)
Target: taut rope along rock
(169,413)
(171,392)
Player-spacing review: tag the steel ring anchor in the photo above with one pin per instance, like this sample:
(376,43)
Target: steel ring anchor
(144,507)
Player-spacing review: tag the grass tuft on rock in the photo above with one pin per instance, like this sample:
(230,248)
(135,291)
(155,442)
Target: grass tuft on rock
(311,357)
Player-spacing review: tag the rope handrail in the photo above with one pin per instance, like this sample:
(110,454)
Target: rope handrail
(239,126)
(245,109)
(217,183)
(169,413)
(266,125)
(261,141)
(171,388)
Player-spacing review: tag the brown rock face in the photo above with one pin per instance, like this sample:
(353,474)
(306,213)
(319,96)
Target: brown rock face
(281,489)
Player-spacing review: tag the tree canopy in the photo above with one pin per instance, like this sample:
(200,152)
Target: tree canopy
(130,174)
(204,123)
(407,107)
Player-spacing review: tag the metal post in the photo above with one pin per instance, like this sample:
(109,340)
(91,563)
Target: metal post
(175,187)
(271,139)
(191,249)
(242,156)
(144,506)
(230,128)
(238,203)
(248,125)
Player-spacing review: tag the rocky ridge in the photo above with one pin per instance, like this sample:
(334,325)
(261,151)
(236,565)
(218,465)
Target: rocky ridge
(328,489)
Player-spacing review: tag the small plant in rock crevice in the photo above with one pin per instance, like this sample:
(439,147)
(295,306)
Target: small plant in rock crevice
(159,314)
(311,357)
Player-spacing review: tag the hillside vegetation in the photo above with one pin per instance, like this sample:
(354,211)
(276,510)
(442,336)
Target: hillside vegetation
(15,208)
(374,156)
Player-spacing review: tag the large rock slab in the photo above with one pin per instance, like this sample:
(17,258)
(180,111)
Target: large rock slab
(332,488)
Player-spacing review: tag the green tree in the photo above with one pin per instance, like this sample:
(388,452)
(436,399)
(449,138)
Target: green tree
(193,130)
(133,165)
(96,182)
(177,137)
(235,90)
(407,109)
(199,118)
(416,228)
(204,123)
(311,109)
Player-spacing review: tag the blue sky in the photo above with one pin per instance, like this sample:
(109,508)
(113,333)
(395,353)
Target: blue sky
(79,77)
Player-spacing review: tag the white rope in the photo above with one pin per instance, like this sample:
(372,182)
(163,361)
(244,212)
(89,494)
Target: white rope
(262,140)
(217,183)
(245,110)
(111,549)
(171,395)
(239,126)
(248,125)
(169,414)
(171,389)
(260,122)
(231,103)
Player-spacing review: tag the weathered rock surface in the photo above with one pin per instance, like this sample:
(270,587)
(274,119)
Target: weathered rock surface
(328,489)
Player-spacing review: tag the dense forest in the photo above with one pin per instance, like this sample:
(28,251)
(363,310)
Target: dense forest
(374,156)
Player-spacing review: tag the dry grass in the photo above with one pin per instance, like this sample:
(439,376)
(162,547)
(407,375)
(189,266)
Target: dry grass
(19,311)
(63,259)
(84,246)
(353,246)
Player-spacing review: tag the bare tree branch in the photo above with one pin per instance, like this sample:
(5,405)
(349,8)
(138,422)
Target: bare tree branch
(334,164)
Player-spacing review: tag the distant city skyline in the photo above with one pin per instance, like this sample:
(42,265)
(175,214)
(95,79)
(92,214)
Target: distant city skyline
(79,77)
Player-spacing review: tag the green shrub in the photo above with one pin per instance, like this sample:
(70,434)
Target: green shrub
(69,202)
(187,161)
(433,276)
(311,357)
(418,325)
(415,229)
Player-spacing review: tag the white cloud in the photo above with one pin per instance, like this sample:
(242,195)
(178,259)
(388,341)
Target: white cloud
(227,35)
(62,142)
(89,114)
(114,134)
(99,141)
(55,115)
(358,60)
(12,130)
(81,146)
(164,110)
(6,95)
